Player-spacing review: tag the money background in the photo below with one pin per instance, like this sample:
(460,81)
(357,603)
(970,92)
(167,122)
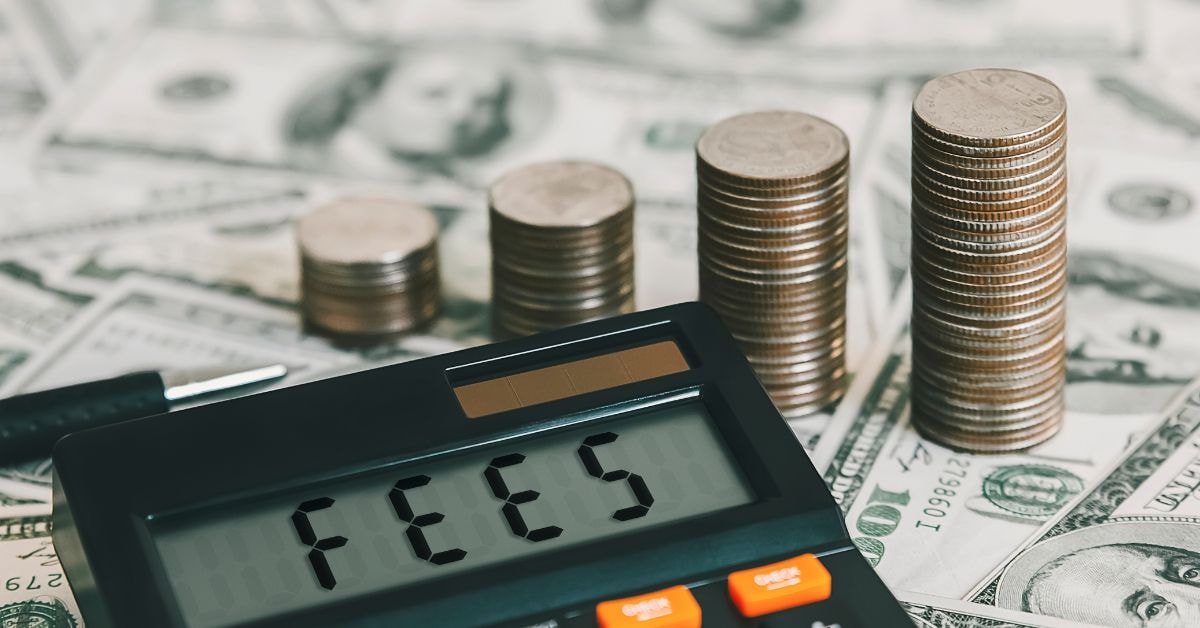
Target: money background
(155,153)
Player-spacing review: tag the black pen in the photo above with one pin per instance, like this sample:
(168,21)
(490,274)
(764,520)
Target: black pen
(30,424)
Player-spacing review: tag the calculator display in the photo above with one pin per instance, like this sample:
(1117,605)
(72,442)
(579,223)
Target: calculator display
(316,545)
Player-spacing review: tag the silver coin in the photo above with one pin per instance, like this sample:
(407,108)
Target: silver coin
(354,231)
(989,106)
(773,147)
(561,194)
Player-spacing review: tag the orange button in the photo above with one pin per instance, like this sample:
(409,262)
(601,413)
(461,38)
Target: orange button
(669,608)
(770,588)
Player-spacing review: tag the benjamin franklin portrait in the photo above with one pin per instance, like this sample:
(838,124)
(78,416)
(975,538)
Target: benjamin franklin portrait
(1143,574)
(1133,331)
(413,110)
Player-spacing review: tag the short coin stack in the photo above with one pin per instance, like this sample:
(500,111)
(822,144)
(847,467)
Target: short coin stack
(989,260)
(773,235)
(562,246)
(368,267)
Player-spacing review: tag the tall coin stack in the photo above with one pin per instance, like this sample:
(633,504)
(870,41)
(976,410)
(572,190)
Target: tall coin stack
(773,234)
(368,267)
(562,246)
(989,259)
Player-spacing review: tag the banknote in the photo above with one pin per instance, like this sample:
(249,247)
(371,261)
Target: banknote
(1126,552)
(471,110)
(141,323)
(800,29)
(928,611)
(36,592)
(22,96)
(10,358)
(57,37)
(25,490)
(32,312)
(915,509)
(57,212)
(523,104)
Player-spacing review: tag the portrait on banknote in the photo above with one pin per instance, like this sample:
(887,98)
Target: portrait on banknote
(456,108)
(1141,573)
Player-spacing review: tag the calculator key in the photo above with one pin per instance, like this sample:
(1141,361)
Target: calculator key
(669,608)
(778,586)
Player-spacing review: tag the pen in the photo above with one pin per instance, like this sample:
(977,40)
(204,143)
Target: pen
(31,423)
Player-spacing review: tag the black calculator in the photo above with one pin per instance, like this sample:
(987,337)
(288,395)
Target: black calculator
(629,472)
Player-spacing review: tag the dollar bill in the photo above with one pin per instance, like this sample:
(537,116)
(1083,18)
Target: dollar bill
(825,29)
(69,212)
(472,111)
(36,592)
(1127,551)
(143,324)
(10,359)
(32,312)
(22,96)
(927,611)
(916,509)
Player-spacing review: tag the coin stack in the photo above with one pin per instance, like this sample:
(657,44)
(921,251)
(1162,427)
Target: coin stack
(562,246)
(368,267)
(989,252)
(773,234)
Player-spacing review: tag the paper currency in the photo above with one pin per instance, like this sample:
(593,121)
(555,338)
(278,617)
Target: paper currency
(36,592)
(155,225)
(1133,537)
(31,312)
(916,509)
(22,98)
(66,212)
(928,611)
(1130,260)
(820,29)
(147,324)
(472,111)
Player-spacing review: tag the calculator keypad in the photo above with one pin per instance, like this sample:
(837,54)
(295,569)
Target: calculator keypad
(855,598)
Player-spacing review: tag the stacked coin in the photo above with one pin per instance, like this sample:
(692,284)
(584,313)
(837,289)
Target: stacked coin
(562,246)
(773,234)
(989,260)
(368,267)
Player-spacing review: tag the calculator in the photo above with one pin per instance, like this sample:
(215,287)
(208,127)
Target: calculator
(627,472)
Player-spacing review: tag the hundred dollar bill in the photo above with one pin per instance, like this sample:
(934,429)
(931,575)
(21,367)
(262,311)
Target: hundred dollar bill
(142,323)
(22,96)
(59,212)
(35,593)
(10,359)
(927,611)
(1126,552)
(791,29)
(31,311)
(933,520)
(451,113)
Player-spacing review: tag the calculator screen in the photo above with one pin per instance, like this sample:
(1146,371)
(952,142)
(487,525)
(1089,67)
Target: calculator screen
(315,545)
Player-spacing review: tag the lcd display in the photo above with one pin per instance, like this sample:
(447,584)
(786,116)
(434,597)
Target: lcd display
(428,520)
